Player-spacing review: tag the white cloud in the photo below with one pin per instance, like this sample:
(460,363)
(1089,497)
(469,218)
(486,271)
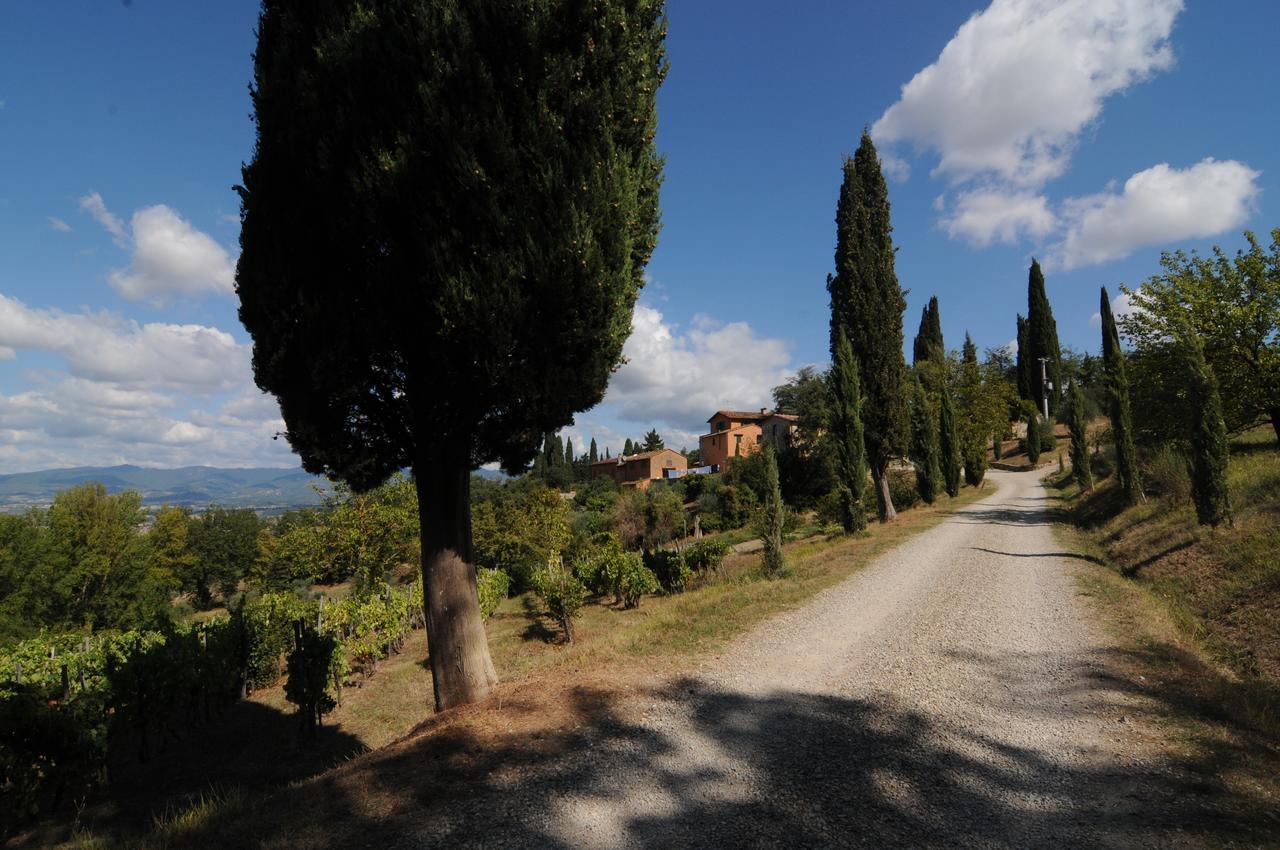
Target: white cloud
(675,380)
(59,225)
(1154,207)
(170,257)
(1014,88)
(93,204)
(100,346)
(984,216)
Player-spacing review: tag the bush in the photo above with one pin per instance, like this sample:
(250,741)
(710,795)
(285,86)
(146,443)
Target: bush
(492,586)
(669,568)
(310,672)
(562,593)
(1165,473)
(630,579)
(705,556)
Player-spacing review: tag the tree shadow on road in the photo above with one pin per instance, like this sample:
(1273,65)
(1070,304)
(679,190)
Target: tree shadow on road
(829,771)
(1090,558)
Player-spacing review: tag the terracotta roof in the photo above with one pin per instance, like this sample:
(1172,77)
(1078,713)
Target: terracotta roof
(751,415)
(639,456)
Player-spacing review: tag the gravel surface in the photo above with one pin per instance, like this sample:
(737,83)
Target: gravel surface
(952,693)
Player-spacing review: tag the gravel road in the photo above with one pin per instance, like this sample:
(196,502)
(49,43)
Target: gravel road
(955,692)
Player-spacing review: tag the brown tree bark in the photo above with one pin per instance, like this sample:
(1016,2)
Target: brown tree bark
(884,499)
(1275,421)
(461,670)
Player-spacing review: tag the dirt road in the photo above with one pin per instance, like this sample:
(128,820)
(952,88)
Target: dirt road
(953,693)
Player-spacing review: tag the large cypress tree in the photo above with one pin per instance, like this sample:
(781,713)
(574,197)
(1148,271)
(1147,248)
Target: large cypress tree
(1118,404)
(1042,336)
(445,226)
(867,304)
(924,442)
(1207,433)
(975,412)
(846,433)
(1079,438)
(948,444)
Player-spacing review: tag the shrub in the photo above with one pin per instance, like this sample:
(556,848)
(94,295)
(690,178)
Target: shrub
(669,568)
(492,586)
(310,672)
(630,579)
(562,593)
(1166,474)
(705,556)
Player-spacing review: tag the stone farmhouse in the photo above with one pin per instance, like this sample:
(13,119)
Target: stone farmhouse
(735,433)
(638,470)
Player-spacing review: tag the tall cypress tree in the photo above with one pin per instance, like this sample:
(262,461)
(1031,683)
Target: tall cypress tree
(846,432)
(1024,354)
(928,344)
(1118,404)
(594,454)
(1079,438)
(1042,335)
(772,516)
(568,451)
(628,448)
(1207,433)
(948,444)
(924,442)
(973,415)
(867,304)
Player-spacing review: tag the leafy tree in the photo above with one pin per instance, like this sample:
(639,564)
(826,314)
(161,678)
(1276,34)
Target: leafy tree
(1042,339)
(368,536)
(23,602)
(519,534)
(1207,435)
(646,519)
(1076,422)
(309,668)
(652,442)
(948,444)
(562,592)
(168,554)
(1118,404)
(846,433)
(805,462)
(225,542)
(1233,305)
(924,442)
(444,229)
(772,517)
(867,304)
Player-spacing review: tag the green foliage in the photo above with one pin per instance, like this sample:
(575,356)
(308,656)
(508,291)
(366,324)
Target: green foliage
(669,568)
(225,543)
(867,305)
(1118,405)
(629,577)
(1232,303)
(1165,472)
(928,344)
(652,442)
(1025,363)
(1032,442)
(982,398)
(562,592)
(925,452)
(948,444)
(1079,438)
(520,532)
(309,683)
(492,587)
(649,518)
(1042,339)
(847,435)
(772,517)
(806,468)
(1207,434)
(705,556)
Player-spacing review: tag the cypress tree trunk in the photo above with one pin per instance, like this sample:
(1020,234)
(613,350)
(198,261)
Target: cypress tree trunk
(1208,437)
(948,445)
(884,498)
(461,670)
(1079,440)
(1118,398)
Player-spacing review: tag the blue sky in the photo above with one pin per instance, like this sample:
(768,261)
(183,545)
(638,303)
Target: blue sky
(1092,134)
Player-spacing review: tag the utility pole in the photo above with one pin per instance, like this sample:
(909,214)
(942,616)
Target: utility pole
(1045,386)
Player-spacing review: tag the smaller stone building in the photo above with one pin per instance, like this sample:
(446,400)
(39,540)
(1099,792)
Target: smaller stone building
(639,469)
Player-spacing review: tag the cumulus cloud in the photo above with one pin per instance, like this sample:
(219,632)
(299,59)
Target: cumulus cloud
(170,257)
(1156,206)
(984,216)
(1014,88)
(101,346)
(676,379)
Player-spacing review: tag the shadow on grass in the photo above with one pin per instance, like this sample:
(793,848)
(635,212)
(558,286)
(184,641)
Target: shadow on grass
(537,628)
(1132,570)
(787,769)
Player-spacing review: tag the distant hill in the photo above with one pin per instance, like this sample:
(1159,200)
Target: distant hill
(264,489)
